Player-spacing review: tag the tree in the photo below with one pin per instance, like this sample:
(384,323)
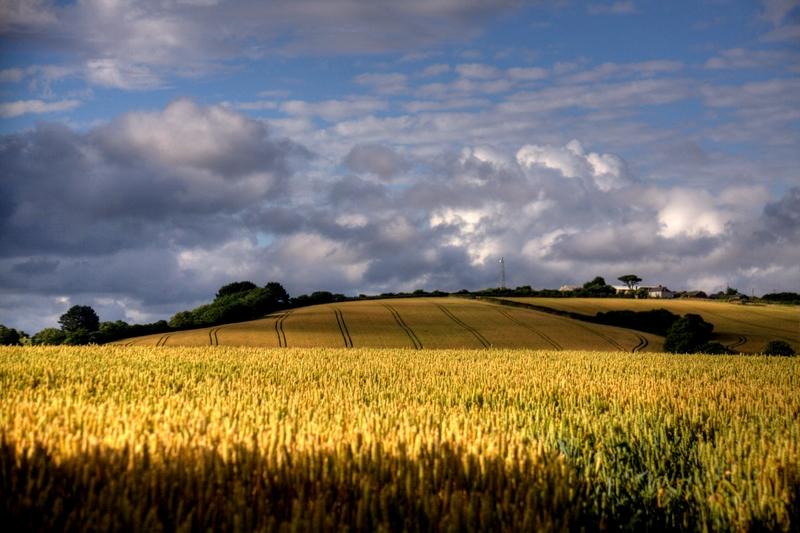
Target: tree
(235,288)
(49,336)
(596,287)
(277,292)
(182,319)
(79,317)
(778,348)
(688,334)
(8,336)
(631,280)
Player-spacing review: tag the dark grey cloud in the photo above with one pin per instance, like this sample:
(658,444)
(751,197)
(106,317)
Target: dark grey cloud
(166,178)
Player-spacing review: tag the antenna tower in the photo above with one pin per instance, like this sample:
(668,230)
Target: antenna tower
(502,273)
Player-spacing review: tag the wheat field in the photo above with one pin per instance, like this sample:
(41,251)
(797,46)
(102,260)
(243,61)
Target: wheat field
(747,328)
(419,323)
(138,438)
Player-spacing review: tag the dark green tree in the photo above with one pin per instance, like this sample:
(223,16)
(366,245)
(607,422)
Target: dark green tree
(631,280)
(688,334)
(9,336)
(596,287)
(777,347)
(49,336)
(235,288)
(276,292)
(182,319)
(79,317)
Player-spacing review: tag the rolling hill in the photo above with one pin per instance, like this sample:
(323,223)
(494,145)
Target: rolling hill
(422,323)
(745,328)
(418,323)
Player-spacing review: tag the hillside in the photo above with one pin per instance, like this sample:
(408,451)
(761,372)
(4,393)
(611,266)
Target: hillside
(745,328)
(412,323)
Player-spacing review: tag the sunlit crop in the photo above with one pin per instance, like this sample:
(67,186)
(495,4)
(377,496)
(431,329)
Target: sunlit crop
(247,438)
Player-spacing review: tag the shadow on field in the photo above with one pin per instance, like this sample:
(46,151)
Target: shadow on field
(442,489)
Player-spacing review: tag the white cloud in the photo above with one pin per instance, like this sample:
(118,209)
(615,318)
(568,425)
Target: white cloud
(478,71)
(332,110)
(606,171)
(435,70)
(113,73)
(392,83)
(621,7)
(527,73)
(11,75)
(24,107)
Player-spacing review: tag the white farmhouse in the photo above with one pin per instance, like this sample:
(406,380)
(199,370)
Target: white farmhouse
(659,291)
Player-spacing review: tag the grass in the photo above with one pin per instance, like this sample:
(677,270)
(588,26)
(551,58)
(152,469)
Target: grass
(252,438)
(444,323)
(747,328)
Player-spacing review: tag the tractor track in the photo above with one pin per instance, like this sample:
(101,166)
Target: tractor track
(279,329)
(162,340)
(348,341)
(739,342)
(576,322)
(782,331)
(475,332)
(544,337)
(643,343)
(212,337)
(400,322)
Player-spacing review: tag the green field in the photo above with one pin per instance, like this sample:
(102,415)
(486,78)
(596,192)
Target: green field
(422,323)
(745,328)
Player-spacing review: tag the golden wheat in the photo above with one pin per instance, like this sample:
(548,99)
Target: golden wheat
(246,438)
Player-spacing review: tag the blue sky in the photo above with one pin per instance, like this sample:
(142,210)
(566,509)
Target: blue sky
(152,151)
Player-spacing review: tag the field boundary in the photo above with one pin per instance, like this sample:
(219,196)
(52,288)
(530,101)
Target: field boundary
(400,322)
(544,337)
(475,332)
(348,341)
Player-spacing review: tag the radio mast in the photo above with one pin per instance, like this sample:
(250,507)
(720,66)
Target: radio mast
(502,273)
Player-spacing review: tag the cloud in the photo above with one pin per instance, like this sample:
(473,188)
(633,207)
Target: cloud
(24,107)
(622,7)
(144,176)
(477,71)
(375,159)
(113,73)
(605,171)
(333,110)
(152,39)
(393,83)
(435,70)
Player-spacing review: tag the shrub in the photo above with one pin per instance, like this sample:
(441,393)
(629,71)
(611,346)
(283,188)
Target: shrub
(688,334)
(49,336)
(778,348)
(715,348)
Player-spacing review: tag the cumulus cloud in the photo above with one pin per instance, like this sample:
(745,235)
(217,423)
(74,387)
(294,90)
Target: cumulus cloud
(144,172)
(606,171)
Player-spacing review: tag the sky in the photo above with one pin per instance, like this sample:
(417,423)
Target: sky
(152,151)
